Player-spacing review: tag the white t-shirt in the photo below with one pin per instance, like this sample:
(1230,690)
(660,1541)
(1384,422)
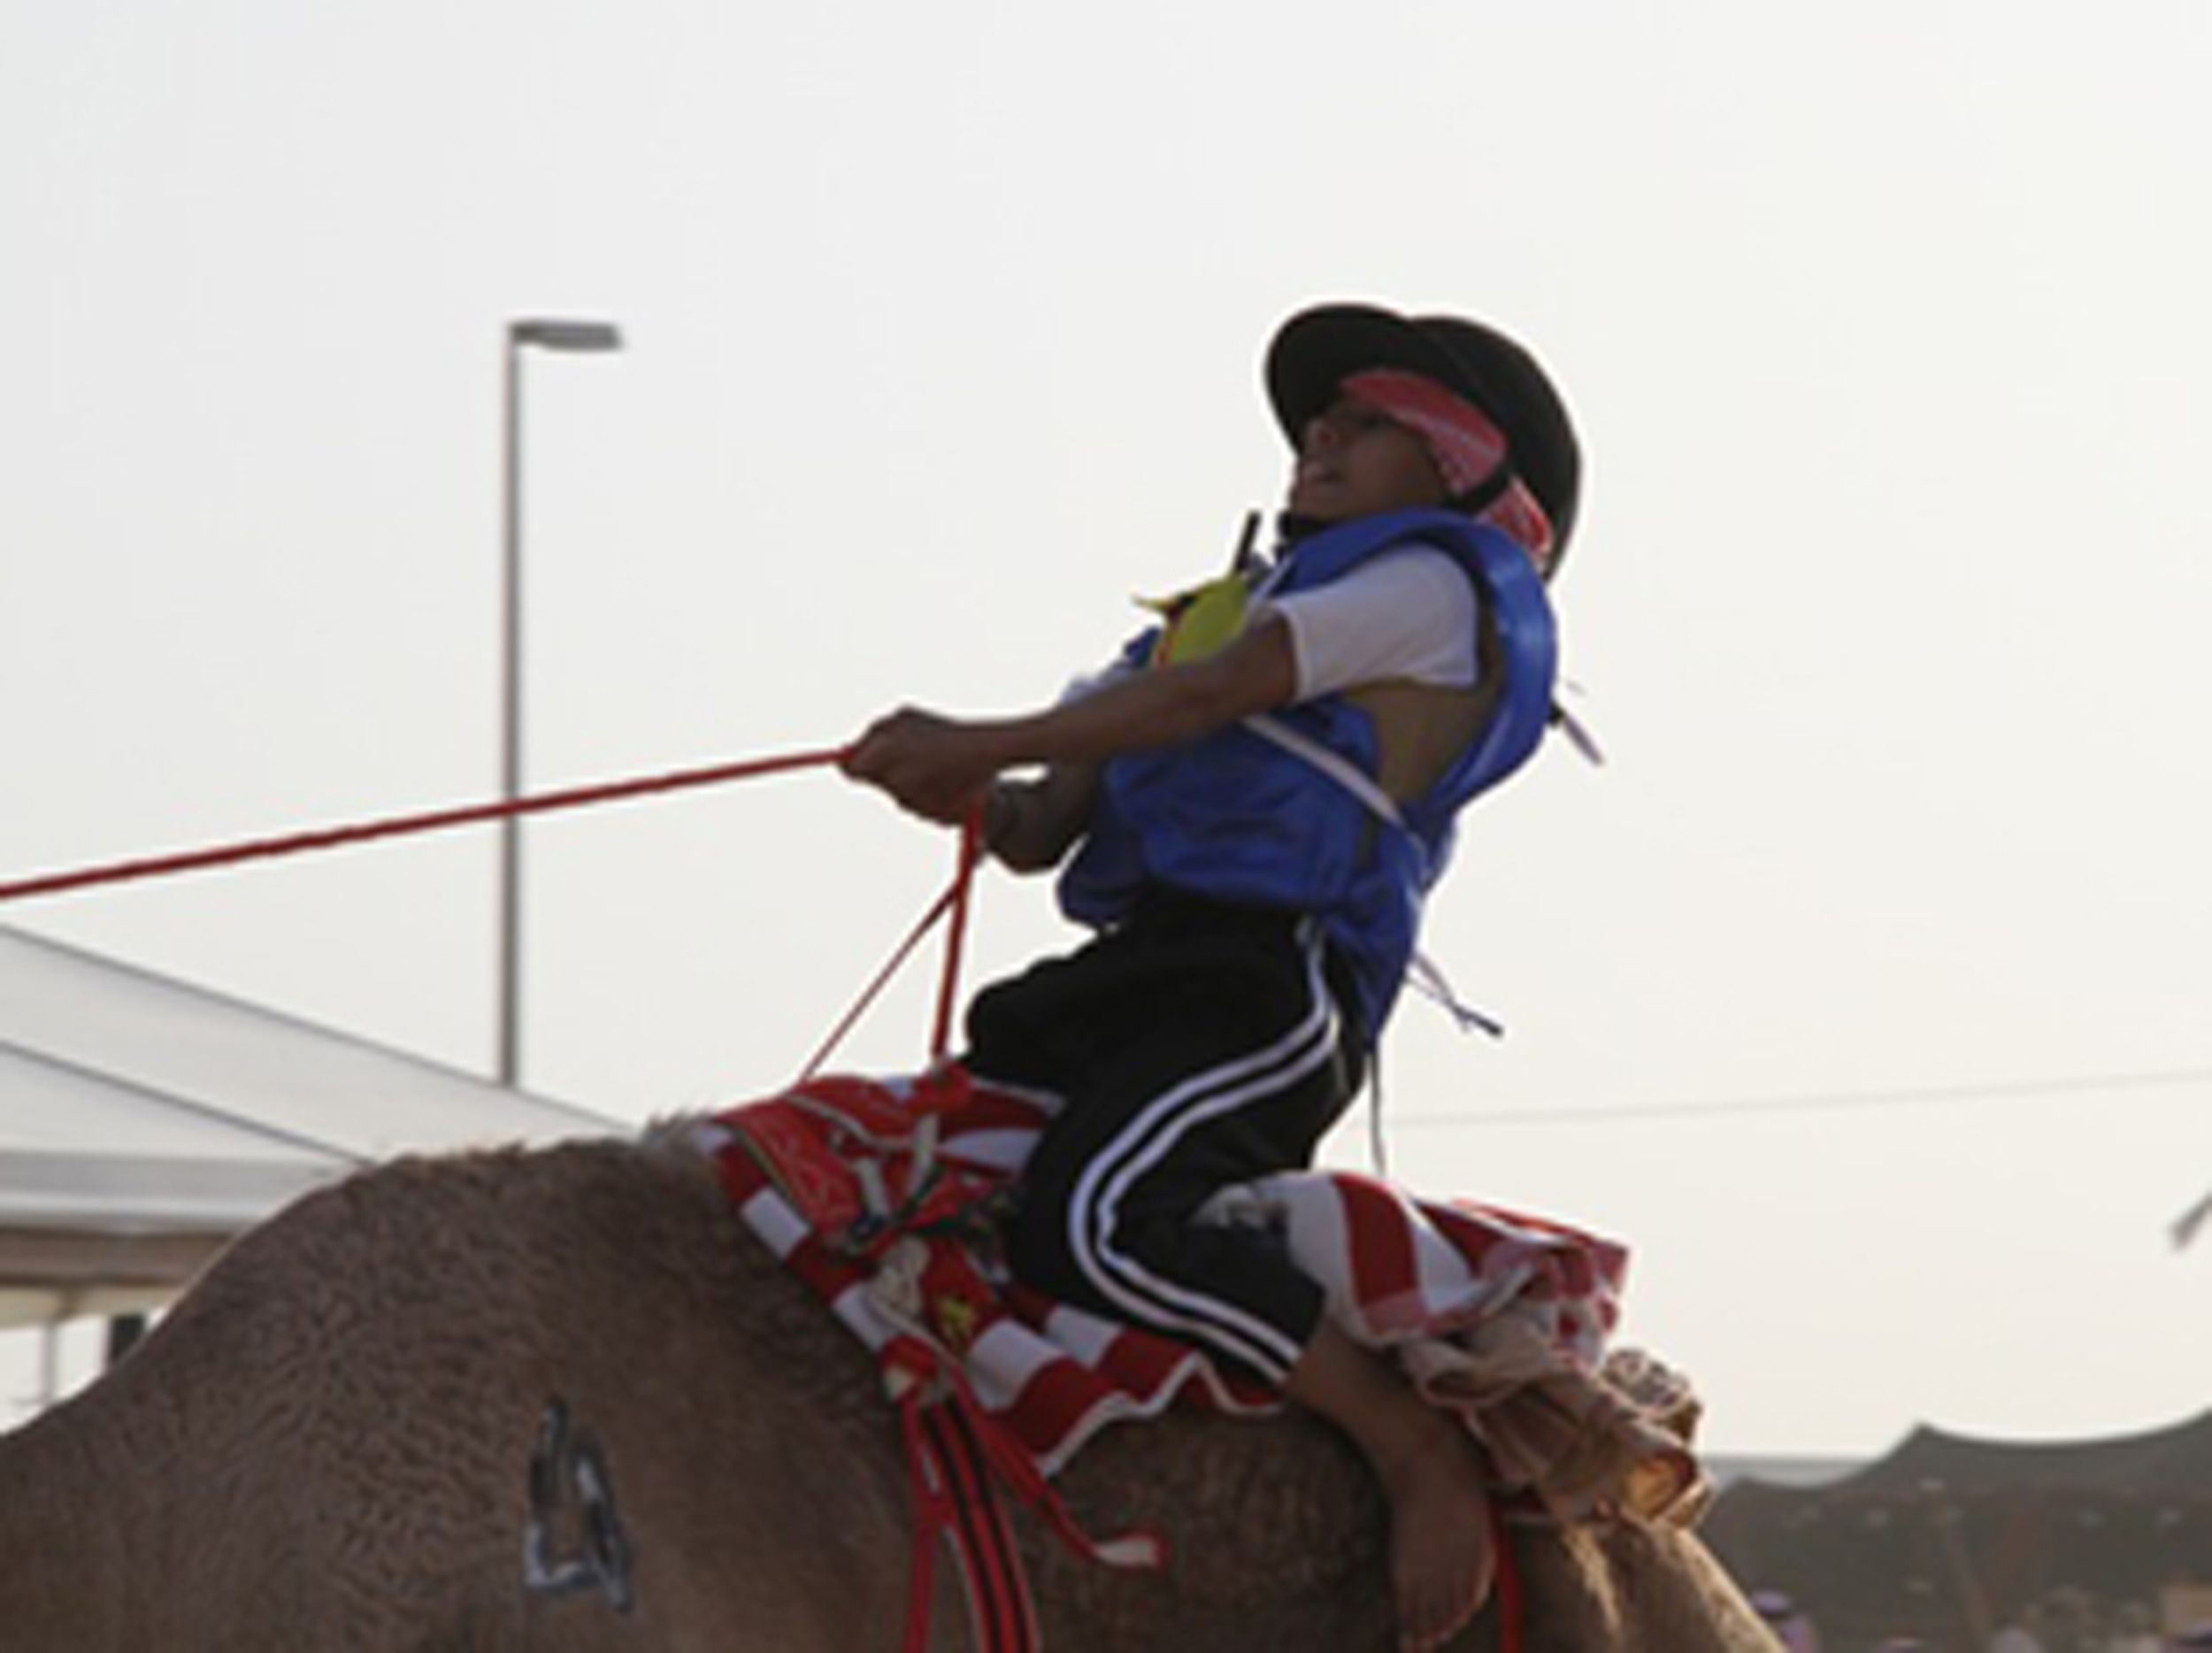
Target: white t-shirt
(1407,615)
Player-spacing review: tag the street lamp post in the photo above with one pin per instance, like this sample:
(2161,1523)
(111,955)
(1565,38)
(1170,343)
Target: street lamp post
(546,334)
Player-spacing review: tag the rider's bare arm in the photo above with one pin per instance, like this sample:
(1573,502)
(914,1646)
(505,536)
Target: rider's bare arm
(938,768)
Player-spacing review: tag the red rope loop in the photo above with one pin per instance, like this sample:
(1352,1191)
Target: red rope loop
(953,901)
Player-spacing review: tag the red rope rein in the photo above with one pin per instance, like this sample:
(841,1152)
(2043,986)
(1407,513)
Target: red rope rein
(955,899)
(955,935)
(1512,1591)
(399,825)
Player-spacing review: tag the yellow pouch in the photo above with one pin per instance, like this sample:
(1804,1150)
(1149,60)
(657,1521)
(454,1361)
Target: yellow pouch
(1199,622)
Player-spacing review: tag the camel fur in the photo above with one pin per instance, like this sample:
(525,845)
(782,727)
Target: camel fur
(327,1446)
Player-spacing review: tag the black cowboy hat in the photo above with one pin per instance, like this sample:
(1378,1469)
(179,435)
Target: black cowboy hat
(1315,351)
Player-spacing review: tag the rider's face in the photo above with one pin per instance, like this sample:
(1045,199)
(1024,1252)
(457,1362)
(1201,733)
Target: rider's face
(1354,461)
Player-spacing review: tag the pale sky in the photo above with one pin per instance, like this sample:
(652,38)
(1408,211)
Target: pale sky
(1863,994)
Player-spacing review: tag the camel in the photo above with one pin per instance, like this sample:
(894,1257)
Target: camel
(379,1408)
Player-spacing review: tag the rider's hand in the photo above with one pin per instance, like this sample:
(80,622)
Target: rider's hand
(935,767)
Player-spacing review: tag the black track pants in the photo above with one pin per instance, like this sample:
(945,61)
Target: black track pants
(1196,1046)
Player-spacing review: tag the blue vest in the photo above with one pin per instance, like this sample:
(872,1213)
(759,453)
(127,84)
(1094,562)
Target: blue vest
(1235,817)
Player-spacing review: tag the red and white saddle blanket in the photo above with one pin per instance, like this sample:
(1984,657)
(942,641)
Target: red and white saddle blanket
(882,1195)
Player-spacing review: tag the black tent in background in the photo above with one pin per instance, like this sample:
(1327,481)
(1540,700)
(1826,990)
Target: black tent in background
(1948,1536)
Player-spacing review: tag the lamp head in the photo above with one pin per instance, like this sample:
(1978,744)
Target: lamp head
(551,334)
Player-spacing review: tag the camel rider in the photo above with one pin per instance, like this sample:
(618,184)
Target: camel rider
(1259,795)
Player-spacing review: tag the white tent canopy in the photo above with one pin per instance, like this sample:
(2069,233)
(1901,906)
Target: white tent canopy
(144,1121)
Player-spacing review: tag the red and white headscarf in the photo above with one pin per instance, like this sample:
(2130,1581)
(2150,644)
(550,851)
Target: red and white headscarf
(1465,445)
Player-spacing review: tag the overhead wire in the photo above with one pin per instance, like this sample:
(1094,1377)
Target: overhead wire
(1831,1102)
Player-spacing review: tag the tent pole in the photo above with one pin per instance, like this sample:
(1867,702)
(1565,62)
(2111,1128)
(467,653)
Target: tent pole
(124,1331)
(48,1364)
